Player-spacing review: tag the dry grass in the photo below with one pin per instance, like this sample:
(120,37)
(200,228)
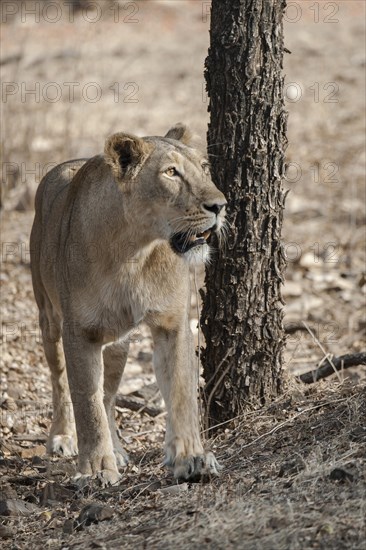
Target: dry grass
(293,477)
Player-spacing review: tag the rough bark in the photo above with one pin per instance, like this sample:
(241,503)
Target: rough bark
(242,318)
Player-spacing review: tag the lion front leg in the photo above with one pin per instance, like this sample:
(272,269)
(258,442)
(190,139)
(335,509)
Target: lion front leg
(114,359)
(177,378)
(85,375)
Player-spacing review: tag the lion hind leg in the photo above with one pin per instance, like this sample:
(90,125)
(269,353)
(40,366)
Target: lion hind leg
(62,437)
(84,364)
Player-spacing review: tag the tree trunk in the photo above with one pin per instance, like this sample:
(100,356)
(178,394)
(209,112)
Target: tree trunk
(242,315)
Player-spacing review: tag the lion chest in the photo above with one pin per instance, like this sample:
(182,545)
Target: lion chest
(118,304)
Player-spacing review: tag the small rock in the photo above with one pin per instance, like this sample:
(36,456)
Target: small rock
(54,492)
(340,475)
(93,513)
(33,451)
(17,507)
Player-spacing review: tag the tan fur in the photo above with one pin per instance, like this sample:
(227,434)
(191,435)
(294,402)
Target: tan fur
(102,263)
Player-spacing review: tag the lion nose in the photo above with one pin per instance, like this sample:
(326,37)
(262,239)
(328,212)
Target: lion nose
(215,207)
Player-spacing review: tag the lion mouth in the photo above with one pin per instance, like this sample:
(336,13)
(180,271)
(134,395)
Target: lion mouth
(182,242)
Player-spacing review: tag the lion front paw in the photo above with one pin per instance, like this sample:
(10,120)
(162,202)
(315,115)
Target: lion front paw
(62,444)
(102,478)
(96,465)
(194,468)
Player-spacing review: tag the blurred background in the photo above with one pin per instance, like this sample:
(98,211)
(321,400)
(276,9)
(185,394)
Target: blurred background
(74,72)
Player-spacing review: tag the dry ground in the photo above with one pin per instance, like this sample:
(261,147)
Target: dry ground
(294,472)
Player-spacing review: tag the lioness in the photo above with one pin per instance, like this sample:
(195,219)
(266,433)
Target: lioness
(110,246)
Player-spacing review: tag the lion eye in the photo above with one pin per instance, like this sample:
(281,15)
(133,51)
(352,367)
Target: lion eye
(171,172)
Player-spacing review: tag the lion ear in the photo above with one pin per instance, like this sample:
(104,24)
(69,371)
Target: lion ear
(126,154)
(180,132)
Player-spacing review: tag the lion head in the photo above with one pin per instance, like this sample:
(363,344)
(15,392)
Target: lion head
(168,185)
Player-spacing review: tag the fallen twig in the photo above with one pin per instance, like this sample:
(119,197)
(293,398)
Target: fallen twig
(326,355)
(290,328)
(135,404)
(30,437)
(330,366)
